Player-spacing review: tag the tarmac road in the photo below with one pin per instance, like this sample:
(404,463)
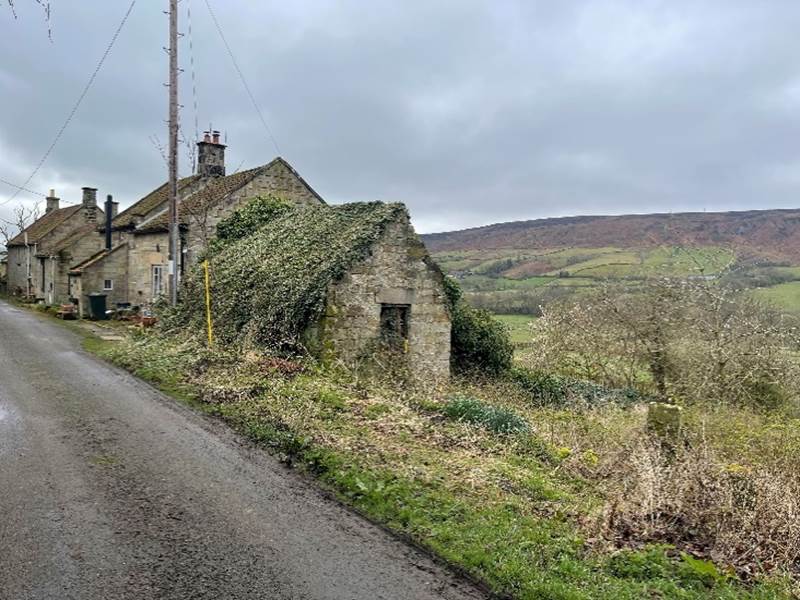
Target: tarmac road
(109,490)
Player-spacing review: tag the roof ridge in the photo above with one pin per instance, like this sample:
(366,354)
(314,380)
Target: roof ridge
(65,213)
(97,256)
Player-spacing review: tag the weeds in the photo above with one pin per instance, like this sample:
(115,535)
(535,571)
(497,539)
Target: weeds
(471,410)
(537,501)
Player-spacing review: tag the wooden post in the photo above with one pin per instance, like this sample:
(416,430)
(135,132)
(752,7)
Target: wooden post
(174,250)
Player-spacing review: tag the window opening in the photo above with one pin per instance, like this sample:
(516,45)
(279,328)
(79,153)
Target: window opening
(394,325)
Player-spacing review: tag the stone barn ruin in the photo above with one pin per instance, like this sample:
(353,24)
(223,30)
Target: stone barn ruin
(344,283)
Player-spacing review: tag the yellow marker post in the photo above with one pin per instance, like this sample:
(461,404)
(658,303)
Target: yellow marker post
(208,304)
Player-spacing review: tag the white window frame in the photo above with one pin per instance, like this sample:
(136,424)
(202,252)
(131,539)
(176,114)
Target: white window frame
(157,273)
(110,286)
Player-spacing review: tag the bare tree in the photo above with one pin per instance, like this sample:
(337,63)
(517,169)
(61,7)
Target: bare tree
(22,217)
(696,340)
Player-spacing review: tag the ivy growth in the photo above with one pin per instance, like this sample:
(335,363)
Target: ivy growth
(479,343)
(246,220)
(267,287)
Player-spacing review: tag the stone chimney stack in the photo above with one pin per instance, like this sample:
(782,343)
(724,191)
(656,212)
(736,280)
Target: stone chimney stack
(210,156)
(52,202)
(90,203)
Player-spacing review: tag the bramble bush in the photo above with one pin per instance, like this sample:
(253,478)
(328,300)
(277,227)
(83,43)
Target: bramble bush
(694,341)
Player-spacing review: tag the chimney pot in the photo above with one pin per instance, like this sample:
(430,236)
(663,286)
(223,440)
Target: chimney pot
(89,197)
(210,155)
(52,202)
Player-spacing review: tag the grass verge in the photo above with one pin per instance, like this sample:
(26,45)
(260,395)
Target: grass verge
(501,489)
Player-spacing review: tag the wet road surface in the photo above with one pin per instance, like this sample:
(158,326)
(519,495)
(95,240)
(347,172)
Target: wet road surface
(109,490)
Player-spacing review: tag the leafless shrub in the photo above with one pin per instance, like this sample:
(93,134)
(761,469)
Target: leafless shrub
(677,338)
(744,517)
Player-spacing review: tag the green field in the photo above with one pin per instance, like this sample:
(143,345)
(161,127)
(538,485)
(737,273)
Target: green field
(521,281)
(519,327)
(785,296)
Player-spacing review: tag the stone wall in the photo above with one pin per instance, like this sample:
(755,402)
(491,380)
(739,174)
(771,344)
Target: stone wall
(279,179)
(395,274)
(17,269)
(145,251)
(114,267)
(57,268)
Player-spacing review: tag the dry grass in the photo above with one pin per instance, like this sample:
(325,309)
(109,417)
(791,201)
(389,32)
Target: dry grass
(572,488)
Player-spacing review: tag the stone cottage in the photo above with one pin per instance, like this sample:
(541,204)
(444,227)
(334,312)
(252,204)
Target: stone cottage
(38,255)
(351,283)
(133,268)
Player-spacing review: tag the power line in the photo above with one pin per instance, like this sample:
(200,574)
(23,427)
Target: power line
(77,104)
(22,188)
(241,76)
(192,147)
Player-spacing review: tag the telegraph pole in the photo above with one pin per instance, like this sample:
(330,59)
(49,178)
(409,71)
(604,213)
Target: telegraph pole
(174,246)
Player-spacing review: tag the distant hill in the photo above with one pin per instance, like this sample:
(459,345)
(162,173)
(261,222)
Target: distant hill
(521,266)
(768,234)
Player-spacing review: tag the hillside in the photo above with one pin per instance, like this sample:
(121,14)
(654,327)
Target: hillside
(518,266)
(774,233)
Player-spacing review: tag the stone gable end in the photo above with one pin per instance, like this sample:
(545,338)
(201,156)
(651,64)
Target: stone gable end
(396,276)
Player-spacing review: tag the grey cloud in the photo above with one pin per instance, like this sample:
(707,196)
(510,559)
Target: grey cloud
(470,112)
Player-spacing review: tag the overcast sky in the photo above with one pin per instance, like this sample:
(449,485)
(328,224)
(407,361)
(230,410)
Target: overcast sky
(469,112)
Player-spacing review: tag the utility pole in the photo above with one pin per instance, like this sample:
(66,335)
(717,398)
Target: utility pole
(174,246)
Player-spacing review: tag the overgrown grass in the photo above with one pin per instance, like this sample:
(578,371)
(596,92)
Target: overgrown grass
(507,490)
(497,419)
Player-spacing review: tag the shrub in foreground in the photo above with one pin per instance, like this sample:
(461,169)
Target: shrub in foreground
(479,342)
(548,389)
(733,514)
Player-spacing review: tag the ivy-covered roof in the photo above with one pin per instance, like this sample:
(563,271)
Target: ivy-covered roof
(267,287)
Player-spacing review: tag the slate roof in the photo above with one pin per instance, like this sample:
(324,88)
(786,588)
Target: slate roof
(44,225)
(217,189)
(128,217)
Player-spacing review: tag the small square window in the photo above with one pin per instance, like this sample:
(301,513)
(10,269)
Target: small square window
(394,325)
(108,284)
